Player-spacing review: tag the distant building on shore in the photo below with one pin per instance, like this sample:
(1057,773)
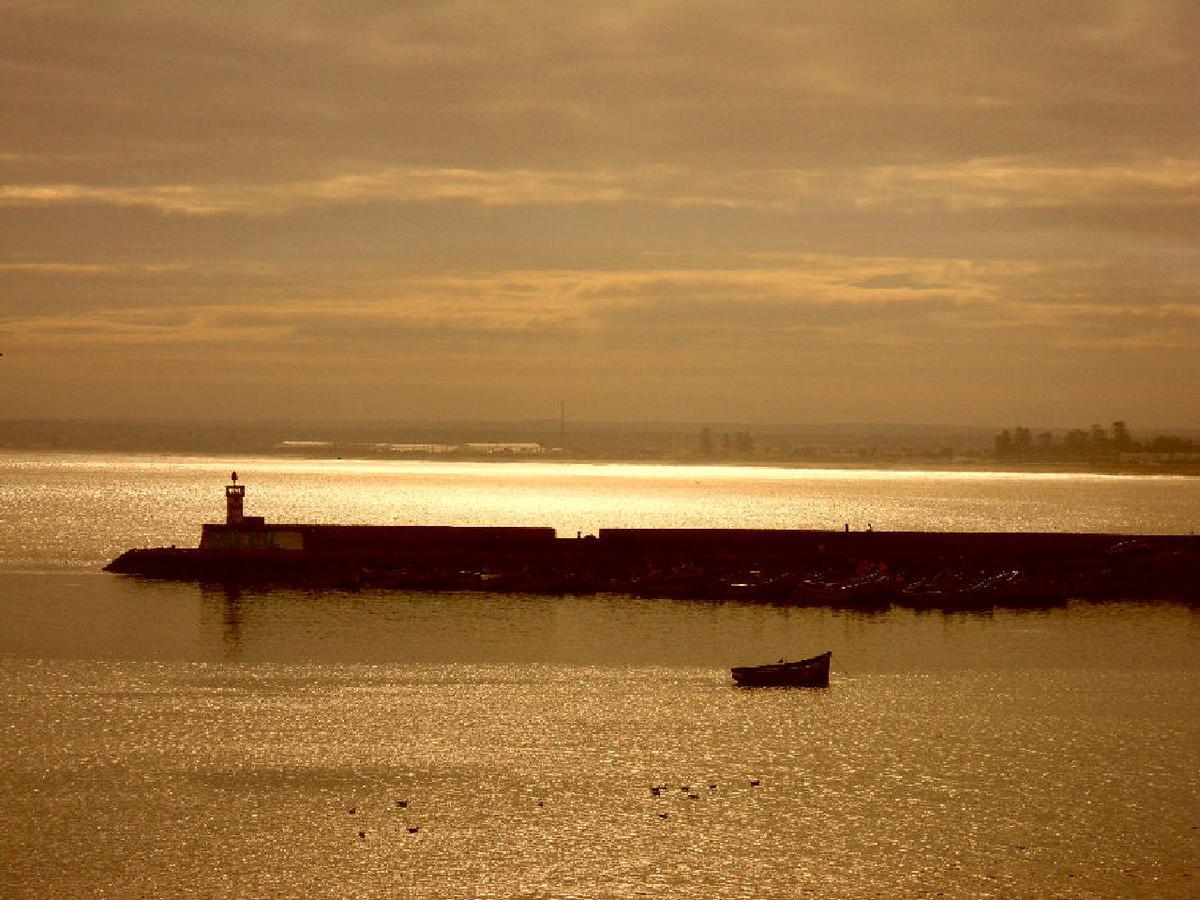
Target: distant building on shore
(422,448)
(513,448)
(425,448)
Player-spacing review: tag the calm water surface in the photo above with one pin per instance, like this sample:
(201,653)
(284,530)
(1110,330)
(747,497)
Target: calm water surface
(166,739)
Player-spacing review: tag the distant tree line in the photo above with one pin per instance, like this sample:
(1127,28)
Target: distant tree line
(1097,443)
(737,444)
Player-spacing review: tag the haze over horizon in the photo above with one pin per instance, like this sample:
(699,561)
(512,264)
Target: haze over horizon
(928,212)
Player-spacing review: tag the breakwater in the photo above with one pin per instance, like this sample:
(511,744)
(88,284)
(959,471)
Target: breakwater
(856,569)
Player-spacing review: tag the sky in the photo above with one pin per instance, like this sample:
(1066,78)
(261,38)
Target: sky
(911,211)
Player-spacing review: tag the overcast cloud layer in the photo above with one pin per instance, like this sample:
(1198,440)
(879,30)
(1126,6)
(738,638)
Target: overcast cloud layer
(921,211)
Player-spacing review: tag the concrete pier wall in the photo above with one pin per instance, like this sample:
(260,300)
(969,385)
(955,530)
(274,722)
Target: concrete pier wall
(776,565)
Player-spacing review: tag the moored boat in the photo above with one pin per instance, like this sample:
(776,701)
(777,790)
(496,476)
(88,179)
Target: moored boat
(811,672)
(870,590)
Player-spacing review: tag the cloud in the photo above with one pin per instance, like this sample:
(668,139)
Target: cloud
(979,184)
(849,303)
(236,93)
(726,198)
(390,185)
(91,269)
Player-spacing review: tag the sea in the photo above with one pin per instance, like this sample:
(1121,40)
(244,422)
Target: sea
(163,739)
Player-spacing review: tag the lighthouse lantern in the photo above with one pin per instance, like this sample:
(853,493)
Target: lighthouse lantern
(235,495)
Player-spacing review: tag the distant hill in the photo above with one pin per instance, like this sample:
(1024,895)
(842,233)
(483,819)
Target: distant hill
(824,443)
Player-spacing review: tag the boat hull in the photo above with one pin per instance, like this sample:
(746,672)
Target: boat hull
(812,672)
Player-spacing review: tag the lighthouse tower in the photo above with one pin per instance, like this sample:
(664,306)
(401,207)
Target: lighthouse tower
(235,495)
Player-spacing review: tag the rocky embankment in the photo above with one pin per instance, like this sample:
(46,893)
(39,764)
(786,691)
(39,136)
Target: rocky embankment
(856,570)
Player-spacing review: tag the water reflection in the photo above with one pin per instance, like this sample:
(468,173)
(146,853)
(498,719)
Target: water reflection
(93,507)
(82,616)
(222,603)
(170,739)
(173,739)
(203,779)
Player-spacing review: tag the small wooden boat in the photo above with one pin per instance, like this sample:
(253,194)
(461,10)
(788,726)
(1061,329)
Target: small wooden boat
(811,672)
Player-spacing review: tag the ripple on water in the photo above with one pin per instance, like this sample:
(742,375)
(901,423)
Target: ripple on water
(239,779)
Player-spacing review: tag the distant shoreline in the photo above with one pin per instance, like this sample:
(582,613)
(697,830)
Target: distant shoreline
(1180,469)
(837,446)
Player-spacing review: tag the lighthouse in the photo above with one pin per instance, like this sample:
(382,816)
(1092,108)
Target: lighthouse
(235,495)
(242,532)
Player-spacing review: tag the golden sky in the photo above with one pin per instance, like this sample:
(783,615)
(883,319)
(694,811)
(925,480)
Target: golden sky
(941,212)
